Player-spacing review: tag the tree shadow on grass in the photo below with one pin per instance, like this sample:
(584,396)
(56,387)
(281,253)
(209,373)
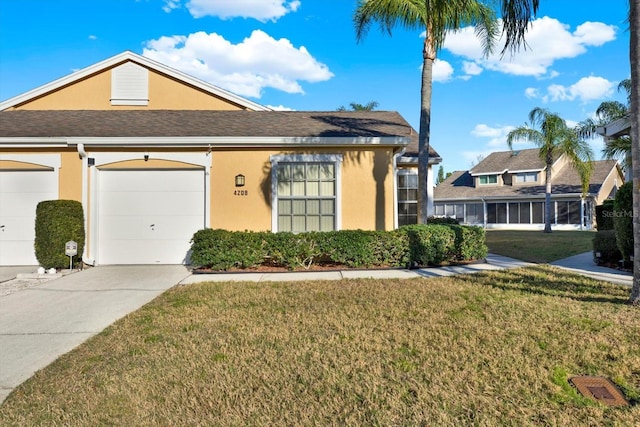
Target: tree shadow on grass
(551,281)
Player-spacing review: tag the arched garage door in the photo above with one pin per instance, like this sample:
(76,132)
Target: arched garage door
(20,193)
(149,216)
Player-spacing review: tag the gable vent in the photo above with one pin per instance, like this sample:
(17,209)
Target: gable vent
(129,85)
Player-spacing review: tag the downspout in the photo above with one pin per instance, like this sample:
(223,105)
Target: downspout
(85,199)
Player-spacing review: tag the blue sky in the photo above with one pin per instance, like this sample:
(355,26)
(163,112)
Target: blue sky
(303,55)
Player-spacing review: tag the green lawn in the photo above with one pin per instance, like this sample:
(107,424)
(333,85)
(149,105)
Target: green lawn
(494,348)
(539,247)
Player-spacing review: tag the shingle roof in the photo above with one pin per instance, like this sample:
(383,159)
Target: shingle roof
(516,160)
(190,123)
(459,185)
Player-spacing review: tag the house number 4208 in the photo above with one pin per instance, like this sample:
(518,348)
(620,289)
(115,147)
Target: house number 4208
(241,193)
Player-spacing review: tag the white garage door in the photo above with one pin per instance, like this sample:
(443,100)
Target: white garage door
(149,216)
(20,193)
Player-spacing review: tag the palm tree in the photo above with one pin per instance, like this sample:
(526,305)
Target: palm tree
(554,138)
(634,101)
(369,106)
(437,18)
(609,111)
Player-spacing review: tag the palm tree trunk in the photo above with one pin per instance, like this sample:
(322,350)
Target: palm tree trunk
(547,199)
(634,53)
(425,130)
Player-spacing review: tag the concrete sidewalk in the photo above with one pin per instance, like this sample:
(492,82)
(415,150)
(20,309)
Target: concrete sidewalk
(493,262)
(38,324)
(584,264)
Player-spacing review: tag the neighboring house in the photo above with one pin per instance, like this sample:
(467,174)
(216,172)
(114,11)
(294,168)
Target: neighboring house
(154,155)
(506,190)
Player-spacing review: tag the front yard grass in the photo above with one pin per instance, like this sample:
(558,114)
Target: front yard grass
(539,247)
(495,348)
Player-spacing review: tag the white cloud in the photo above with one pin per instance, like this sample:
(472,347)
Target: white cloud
(442,71)
(169,5)
(262,10)
(497,135)
(586,89)
(93,37)
(471,68)
(280,108)
(246,68)
(548,40)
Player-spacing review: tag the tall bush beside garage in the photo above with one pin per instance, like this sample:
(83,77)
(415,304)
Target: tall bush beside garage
(623,219)
(57,222)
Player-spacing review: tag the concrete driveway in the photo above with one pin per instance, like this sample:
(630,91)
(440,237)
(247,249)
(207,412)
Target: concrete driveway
(10,272)
(39,324)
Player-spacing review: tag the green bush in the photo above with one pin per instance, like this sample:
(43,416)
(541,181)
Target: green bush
(353,248)
(57,222)
(429,244)
(623,219)
(410,245)
(469,243)
(604,215)
(222,249)
(294,250)
(604,243)
(442,220)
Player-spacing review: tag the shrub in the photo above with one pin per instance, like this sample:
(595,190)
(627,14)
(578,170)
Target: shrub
(222,249)
(353,248)
(604,215)
(469,243)
(623,219)
(605,244)
(57,222)
(294,250)
(442,220)
(410,245)
(429,244)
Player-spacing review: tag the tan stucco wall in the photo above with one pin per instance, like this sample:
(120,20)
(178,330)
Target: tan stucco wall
(94,93)
(71,176)
(8,165)
(615,179)
(367,189)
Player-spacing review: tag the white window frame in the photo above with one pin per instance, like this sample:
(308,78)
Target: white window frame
(398,188)
(336,159)
(525,177)
(487,177)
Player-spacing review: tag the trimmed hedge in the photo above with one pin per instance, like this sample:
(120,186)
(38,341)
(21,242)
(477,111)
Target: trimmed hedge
(623,219)
(57,222)
(605,243)
(412,245)
(604,215)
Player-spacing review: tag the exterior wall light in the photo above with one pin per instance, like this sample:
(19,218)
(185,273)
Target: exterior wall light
(239,180)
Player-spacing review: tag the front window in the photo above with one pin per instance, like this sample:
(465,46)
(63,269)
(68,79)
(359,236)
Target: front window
(525,177)
(407,198)
(488,179)
(305,190)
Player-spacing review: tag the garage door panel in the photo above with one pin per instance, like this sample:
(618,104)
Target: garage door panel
(20,193)
(27,181)
(16,228)
(23,202)
(140,252)
(141,228)
(152,203)
(147,180)
(149,217)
